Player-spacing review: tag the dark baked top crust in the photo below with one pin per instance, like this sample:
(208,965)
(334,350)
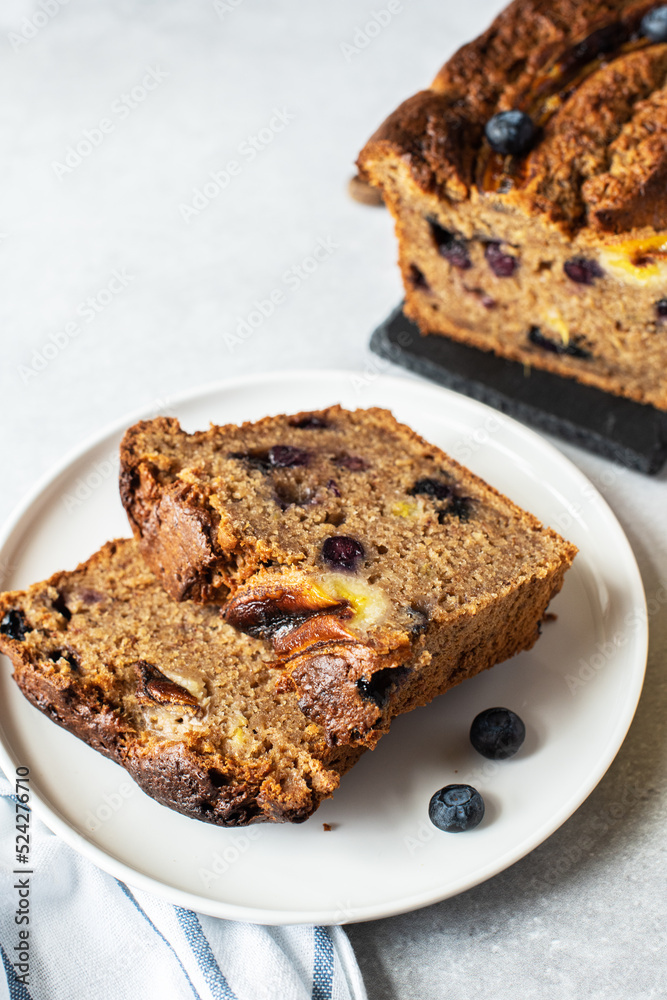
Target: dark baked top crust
(592,83)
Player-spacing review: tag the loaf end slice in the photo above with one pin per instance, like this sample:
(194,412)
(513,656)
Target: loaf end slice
(549,248)
(188,705)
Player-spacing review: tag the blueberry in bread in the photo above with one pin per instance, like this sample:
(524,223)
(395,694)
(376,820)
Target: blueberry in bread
(529,189)
(380,571)
(188,705)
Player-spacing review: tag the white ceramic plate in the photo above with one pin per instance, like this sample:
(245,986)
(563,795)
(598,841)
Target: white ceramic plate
(576,690)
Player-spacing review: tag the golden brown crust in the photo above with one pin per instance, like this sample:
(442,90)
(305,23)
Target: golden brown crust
(536,49)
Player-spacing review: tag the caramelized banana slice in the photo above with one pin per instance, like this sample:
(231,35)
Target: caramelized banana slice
(155,686)
(638,262)
(277,602)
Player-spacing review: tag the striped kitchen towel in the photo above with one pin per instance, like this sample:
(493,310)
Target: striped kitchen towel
(92,936)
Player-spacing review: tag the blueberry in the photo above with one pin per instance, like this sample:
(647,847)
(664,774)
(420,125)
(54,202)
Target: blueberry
(15,626)
(497,733)
(60,605)
(342,552)
(451,247)
(63,654)
(573,349)
(502,264)
(431,488)
(289,494)
(661,308)
(460,507)
(352,462)
(282,456)
(654,24)
(420,620)
(456,808)
(583,270)
(417,279)
(256,459)
(309,423)
(380,685)
(90,596)
(511,132)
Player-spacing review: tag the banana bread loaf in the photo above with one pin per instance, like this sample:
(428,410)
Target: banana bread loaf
(170,691)
(529,190)
(380,570)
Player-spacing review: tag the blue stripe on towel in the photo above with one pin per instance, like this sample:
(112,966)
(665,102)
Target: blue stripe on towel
(159,934)
(17,989)
(201,949)
(323,965)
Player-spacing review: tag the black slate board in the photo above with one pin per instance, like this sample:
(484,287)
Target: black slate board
(629,433)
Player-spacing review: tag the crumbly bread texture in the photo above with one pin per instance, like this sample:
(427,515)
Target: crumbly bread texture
(556,258)
(380,570)
(188,705)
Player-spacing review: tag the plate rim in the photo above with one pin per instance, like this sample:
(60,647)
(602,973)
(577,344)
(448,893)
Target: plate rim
(111,864)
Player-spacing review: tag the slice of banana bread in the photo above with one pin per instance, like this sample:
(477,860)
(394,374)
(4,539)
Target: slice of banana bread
(188,705)
(381,571)
(529,189)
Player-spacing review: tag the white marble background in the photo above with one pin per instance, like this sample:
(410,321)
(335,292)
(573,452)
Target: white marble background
(115,296)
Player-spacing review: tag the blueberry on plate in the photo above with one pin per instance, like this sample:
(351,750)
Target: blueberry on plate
(654,24)
(511,132)
(497,733)
(456,808)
